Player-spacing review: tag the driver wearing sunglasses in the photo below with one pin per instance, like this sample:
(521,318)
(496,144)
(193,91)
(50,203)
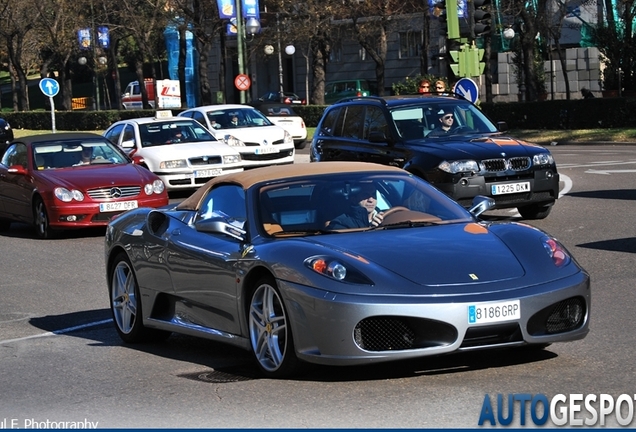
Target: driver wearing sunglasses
(446,122)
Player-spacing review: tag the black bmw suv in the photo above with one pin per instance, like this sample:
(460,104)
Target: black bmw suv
(445,140)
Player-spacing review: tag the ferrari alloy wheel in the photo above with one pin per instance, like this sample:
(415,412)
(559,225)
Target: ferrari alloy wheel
(125,304)
(41,220)
(270,332)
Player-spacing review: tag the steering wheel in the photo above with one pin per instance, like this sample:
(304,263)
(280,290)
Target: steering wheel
(461,129)
(394,210)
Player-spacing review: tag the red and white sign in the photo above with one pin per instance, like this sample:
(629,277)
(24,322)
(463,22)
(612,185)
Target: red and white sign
(242,82)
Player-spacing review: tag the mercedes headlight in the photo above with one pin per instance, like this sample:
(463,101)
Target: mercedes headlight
(155,187)
(66,195)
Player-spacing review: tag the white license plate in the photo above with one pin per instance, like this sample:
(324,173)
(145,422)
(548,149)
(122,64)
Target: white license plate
(207,173)
(117,206)
(510,188)
(266,150)
(482,313)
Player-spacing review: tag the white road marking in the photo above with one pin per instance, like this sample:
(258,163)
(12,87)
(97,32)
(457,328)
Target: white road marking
(57,332)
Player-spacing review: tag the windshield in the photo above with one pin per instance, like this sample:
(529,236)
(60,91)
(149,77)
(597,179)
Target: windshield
(435,120)
(76,152)
(180,131)
(237,117)
(337,202)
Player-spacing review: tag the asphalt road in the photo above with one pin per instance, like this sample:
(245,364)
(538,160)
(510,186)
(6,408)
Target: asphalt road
(62,360)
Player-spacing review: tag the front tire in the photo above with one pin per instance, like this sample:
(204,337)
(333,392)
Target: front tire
(270,331)
(125,304)
(534,211)
(41,220)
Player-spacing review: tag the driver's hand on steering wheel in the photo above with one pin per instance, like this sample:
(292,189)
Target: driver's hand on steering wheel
(377,218)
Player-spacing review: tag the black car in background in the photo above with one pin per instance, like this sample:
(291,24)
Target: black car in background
(445,140)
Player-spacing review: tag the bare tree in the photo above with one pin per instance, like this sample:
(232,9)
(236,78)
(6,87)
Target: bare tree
(16,23)
(372,23)
(145,21)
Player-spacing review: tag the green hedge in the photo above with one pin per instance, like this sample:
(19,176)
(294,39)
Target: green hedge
(559,114)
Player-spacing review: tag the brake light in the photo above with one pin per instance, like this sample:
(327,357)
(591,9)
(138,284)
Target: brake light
(359,94)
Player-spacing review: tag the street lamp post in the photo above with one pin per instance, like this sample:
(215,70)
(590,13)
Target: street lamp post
(251,27)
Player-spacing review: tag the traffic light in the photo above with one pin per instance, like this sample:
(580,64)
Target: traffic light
(446,13)
(481,17)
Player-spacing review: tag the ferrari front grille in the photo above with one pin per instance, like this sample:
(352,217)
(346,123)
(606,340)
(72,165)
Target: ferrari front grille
(114,192)
(389,333)
(492,335)
(560,317)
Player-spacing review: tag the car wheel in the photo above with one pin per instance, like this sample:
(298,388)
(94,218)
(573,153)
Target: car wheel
(534,211)
(270,331)
(300,145)
(41,220)
(125,304)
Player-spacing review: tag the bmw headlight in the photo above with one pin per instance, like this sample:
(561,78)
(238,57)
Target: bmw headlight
(336,269)
(459,166)
(543,159)
(155,187)
(231,159)
(66,195)
(181,163)
(233,141)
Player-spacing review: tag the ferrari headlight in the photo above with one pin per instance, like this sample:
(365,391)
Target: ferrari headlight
(180,163)
(233,141)
(556,251)
(336,269)
(155,187)
(231,159)
(543,159)
(66,195)
(459,166)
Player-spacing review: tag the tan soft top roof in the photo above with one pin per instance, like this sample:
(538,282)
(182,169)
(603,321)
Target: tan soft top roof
(250,177)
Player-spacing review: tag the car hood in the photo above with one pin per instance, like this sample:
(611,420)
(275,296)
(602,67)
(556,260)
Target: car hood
(457,254)
(186,150)
(256,134)
(93,176)
(483,147)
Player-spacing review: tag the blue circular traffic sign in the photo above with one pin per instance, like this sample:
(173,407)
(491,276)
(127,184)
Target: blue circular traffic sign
(468,89)
(49,87)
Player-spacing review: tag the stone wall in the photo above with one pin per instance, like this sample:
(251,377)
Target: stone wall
(582,66)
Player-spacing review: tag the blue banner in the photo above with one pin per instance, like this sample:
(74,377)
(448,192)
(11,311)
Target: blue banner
(249,8)
(462,11)
(84,38)
(103,37)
